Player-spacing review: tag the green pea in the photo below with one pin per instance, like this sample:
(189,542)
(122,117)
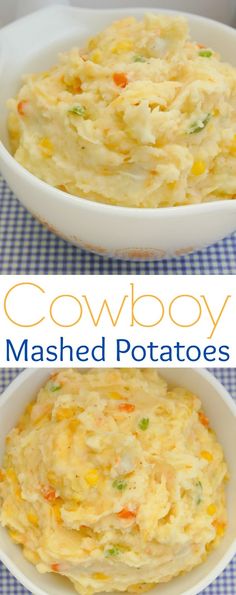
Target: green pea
(138,58)
(120,484)
(79,110)
(144,423)
(205,53)
(199,125)
(113,551)
(53,387)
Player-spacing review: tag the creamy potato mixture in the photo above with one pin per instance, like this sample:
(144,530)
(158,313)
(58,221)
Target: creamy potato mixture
(142,116)
(113,480)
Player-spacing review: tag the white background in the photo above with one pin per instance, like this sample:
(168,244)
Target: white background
(223,10)
(27,305)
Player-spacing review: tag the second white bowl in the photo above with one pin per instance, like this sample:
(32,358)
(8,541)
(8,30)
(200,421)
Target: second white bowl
(222,414)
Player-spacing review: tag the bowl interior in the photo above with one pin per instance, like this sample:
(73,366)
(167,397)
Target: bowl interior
(41,36)
(223,420)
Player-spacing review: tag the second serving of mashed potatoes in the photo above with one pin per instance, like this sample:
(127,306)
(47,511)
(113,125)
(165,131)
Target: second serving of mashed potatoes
(141,116)
(114,480)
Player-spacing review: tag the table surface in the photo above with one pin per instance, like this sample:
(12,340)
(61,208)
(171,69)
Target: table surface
(28,248)
(224,585)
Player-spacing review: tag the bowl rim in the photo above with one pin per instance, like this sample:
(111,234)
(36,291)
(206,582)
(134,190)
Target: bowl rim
(101,207)
(230,552)
(26,373)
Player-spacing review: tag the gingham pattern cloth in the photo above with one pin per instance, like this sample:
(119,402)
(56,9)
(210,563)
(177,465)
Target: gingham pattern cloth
(27,248)
(224,585)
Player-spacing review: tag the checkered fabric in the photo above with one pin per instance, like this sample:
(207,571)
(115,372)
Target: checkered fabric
(27,248)
(224,585)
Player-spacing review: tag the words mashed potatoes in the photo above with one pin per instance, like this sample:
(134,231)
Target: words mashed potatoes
(114,480)
(141,117)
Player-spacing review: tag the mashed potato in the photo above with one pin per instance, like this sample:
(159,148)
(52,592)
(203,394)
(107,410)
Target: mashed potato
(114,480)
(140,117)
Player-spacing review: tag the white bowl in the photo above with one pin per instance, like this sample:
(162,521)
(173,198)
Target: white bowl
(221,410)
(32,44)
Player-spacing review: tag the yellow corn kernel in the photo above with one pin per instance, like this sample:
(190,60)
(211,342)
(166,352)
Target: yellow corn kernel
(73,425)
(57,511)
(209,546)
(92,43)
(216,112)
(29,408)
(114,395)
(45,73)
(211,509)
(100,576)
(46,147)
(22,423)
(220,528)
(25,417)
(14,134)
(65,413)
(96,56)
(52,479)
(11,474)
(43,417)
(92,477)
(204,556)
(72,506)
(171,185)
(206,455)
(232,147)
(16,536)
(199,168)
(122,46)
(33,519)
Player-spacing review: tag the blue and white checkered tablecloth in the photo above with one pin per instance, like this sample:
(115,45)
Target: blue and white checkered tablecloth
(27,248)
(224,585)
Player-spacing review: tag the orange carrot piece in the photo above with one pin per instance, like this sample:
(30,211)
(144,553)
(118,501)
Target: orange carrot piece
(125,513)
(48,494)
(128,407)
(21,107)
(120,79)
(55,567)
(203,419)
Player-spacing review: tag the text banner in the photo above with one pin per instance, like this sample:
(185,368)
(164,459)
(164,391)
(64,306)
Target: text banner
(94,320)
